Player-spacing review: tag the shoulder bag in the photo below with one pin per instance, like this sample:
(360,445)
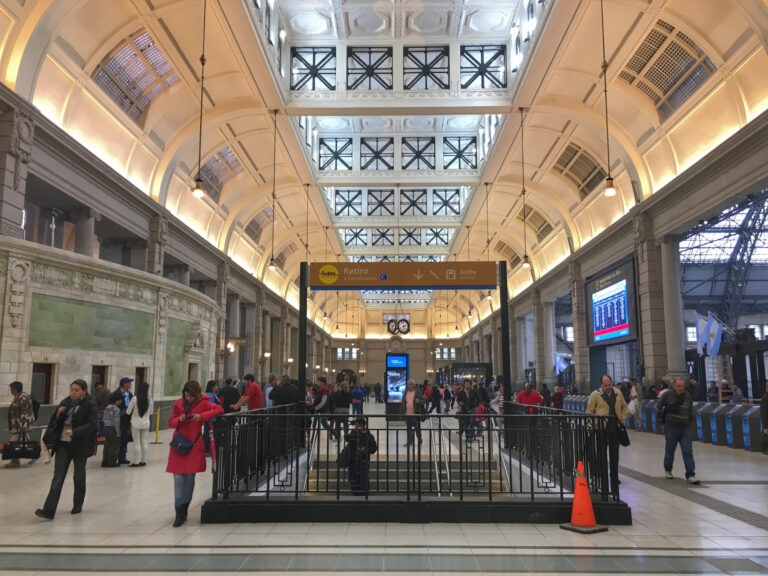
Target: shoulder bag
(181,443)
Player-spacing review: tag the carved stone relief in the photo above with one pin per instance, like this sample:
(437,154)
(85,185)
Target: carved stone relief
(18,272)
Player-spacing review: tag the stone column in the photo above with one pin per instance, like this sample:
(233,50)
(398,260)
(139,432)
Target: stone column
(222,284)
(184,274)
(550,345)
(16,135)
(579,313)
(673,308)
(158,235)
(651,304)
(522,347)
(253,325)
(233,323)
(85,232)
(544,336)
(514,345)
(266,345)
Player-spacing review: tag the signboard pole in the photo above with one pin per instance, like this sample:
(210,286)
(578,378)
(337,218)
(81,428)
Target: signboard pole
(303,289)
(505,351)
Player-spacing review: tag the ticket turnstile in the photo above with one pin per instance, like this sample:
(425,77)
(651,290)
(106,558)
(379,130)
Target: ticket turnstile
(694,424)
(703,422)
(734,432)
(752,430)
(649,416)
(717,424)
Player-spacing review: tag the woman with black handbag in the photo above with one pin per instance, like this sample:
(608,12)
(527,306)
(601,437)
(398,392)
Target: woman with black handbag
(187,454)
(72,435)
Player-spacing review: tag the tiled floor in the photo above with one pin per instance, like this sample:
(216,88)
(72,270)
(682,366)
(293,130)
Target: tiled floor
(125,527)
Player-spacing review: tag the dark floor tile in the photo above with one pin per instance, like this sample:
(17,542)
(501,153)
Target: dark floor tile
(266,562)
(174,562)
(406,563)
(595,564)
(762,560)
(640,564)
(737,565)
(220,562)
(453,563)
(686,564)
(548,564)
(500,564)
(360,563)
(314,562)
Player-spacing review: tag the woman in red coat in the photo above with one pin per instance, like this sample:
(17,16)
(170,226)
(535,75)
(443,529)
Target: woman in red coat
(189,413)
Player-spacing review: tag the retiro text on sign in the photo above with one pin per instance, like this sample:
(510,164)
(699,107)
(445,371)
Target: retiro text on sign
(394,275)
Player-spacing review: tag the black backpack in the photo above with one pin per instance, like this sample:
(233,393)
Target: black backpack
(35,407)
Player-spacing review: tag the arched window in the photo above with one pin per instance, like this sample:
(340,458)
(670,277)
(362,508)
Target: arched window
(218,169)
(135,73)
(668,68)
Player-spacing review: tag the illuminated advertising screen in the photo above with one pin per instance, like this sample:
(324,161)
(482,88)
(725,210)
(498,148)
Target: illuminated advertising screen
(610,303)
(397,376)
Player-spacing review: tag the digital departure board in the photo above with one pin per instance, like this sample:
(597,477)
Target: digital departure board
(609,313)
(610,300)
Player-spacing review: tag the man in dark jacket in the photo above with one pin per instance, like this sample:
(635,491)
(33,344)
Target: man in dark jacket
(468,400)
(698,390)
(229,398)
(283,392)
(361,444)
(675,412)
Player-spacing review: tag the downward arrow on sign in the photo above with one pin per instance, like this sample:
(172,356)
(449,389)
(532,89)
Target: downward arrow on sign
(418,275)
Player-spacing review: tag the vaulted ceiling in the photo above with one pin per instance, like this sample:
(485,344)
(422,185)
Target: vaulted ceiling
(391,100)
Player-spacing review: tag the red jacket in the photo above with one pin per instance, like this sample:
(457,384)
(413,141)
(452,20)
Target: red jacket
(532,399)
(194,461)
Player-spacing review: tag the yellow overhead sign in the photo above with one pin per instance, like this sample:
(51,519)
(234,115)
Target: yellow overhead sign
(402,275)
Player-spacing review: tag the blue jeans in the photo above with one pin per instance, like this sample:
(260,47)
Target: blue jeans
(183,486)
(357,408)
(683,436)
(414,425)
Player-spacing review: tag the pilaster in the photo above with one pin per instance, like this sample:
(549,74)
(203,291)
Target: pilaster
(16,135)
(158,235)
(650,300)
(579,315)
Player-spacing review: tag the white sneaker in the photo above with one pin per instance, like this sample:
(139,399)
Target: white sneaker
(692,480)
(668,475)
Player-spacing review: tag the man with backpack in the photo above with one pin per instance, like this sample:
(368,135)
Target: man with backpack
(22,413)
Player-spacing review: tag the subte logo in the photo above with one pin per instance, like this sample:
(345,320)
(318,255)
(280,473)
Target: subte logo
(328,274)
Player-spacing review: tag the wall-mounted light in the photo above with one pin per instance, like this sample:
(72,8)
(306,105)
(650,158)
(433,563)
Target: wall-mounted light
(317,366)
(290,360)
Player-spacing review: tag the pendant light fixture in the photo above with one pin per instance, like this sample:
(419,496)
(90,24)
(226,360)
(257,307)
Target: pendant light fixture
(325,304)
(198,191)
(526,261)
(272,263)
(610,190)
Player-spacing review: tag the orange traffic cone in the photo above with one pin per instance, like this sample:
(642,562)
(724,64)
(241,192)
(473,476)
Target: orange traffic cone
(582,514)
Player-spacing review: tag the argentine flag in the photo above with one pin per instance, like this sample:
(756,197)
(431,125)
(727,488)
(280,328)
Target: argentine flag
(702,333)
(714,335)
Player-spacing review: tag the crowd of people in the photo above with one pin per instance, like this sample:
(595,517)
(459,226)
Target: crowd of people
(121,417)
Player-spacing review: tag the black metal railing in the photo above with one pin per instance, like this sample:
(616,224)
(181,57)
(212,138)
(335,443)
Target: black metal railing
(280,452)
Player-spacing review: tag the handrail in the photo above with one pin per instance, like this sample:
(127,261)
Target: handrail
(263,453)
(437,453)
